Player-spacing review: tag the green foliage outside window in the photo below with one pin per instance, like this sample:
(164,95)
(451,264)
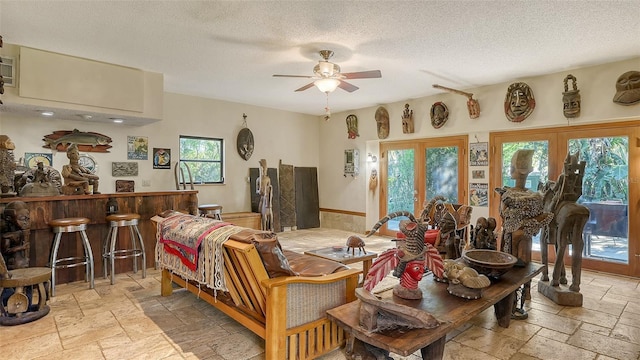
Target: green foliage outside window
(606,176)
(204,157)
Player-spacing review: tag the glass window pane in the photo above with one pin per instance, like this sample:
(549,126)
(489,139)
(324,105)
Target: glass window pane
(400,184)
(605,191)
(204,157)
(442,173)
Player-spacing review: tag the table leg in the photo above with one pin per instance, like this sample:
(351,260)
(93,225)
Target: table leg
(348,348)
(503,309)
(366,265)
(435,350)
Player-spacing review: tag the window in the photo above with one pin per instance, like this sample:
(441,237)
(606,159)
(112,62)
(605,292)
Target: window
(7,70)
(204,157)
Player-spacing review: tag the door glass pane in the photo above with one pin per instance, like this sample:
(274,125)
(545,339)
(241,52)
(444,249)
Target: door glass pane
(442,173)
(400,184)
(605,191)
(539,175)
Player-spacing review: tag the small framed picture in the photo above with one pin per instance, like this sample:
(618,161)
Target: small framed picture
(479,154)
(478,194)
(477,174)
(129,168)
(137,148)
(161,158)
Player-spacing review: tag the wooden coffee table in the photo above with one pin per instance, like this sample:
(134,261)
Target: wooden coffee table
(451,310)
(341,255)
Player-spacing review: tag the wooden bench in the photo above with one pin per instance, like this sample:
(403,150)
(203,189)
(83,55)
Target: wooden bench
(288,312)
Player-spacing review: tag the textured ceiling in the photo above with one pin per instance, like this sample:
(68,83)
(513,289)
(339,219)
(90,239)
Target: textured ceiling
(230,50)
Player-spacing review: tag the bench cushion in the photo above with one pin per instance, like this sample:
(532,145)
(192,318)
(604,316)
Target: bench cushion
(307,265)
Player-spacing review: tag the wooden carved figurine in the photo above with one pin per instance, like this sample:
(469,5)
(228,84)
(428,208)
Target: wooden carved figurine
(14,241)
(565,228)
(7,167)
(354,242)
(265,190)
(407,120)
(77,179)
(523,216)
(408,260)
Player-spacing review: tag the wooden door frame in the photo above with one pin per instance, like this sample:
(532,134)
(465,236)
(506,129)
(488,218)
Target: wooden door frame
(419,146)
(558,138)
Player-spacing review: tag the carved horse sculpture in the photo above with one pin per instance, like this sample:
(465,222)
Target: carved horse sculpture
(567,224)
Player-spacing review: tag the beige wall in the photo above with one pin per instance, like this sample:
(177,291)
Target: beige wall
(294,137)
(596,85)
(278,135)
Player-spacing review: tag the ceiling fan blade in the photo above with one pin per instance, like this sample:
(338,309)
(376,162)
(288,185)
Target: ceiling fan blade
(363,74)
(347,87)
(294,76)
(309,85)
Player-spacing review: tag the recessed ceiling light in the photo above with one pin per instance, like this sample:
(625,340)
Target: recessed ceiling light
(46,113)
(117,120)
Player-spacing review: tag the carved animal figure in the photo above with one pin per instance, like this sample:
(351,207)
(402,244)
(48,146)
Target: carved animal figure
(77,137)
(354,242)
(567,224)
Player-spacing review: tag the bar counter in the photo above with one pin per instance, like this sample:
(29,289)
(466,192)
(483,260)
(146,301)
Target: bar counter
(94,207)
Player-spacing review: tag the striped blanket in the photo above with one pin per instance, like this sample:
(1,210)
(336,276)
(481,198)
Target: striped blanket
(191,246)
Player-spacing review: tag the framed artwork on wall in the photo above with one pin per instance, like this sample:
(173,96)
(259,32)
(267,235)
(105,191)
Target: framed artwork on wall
(479,154)
(161,158)
(129,168)
(478,194)
(137,148)
(31,160)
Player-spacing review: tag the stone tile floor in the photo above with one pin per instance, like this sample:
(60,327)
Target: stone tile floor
(130,320)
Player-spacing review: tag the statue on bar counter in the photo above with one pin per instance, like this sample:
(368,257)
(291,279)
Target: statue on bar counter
(7,167)
(77,179)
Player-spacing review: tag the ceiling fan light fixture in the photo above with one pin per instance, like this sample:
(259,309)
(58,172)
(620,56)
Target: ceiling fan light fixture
(325,68)
(326,85)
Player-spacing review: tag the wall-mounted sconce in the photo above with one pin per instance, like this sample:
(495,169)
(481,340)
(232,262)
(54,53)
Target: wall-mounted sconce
(371,158)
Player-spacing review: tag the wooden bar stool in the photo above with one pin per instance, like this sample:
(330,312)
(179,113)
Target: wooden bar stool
(70,225)
(213,211)
(109,251)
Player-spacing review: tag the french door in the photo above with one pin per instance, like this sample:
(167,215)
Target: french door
(418,170)
(608,190)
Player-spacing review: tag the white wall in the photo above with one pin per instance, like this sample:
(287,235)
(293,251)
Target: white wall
(304,140)
(278,135)
(596,85)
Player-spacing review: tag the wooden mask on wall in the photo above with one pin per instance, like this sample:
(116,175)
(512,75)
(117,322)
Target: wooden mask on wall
(382,122)
(628,88)
(519,102)
(571,98)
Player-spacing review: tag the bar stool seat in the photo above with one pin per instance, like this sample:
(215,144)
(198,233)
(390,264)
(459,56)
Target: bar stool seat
(213,211)
(77,225)
(109,251)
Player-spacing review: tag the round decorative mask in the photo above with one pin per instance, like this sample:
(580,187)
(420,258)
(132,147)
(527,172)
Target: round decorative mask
(439,114)
(245,143)
(519,102)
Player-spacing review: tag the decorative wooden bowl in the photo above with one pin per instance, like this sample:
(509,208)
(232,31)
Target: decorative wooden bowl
(491,263)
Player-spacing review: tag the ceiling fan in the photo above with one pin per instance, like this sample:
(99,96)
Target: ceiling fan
(328,76)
